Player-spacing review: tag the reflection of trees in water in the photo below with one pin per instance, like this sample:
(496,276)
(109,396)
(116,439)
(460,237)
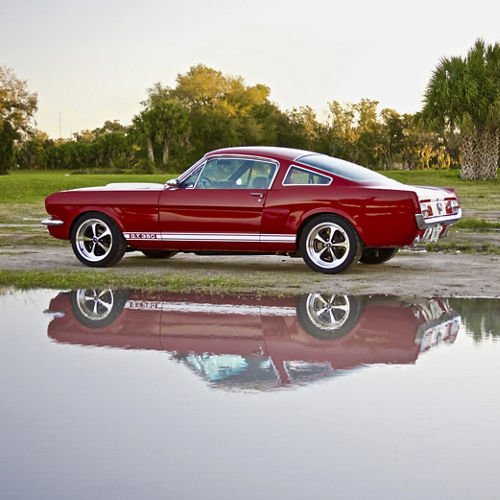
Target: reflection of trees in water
(481,317)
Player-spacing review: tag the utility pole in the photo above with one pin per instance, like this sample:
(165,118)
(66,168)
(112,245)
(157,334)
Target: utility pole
(60,129)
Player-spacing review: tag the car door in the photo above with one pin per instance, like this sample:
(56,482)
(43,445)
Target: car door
(219,207)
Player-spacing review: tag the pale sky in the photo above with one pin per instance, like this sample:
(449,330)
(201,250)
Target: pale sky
(92,60)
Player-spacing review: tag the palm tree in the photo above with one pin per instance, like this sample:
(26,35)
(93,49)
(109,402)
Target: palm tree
(463,95)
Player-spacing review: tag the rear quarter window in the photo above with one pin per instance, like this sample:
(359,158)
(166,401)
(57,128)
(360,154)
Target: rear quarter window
(297,176)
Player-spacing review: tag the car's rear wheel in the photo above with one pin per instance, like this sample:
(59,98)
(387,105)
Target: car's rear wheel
(97,308)
(329,244)
(328,316)
(158,254)
(97,241)
(377,255)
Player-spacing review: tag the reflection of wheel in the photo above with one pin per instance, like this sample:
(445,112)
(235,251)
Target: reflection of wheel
(97,308)
(377,255)
(158,254)
(329,244)
(97,241)
(328,316)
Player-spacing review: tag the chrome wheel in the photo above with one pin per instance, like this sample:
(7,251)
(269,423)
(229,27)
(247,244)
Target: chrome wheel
(327,245)
(94,240)
(95,305)
(327,312)
(97,240)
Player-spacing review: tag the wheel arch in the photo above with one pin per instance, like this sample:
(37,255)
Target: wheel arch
(102,210)
(317,213)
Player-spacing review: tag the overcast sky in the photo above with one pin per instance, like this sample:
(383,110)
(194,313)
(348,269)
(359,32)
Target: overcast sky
(92,60)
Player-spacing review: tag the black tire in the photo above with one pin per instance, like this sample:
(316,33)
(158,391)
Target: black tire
(97,241)
(377,255)
(158,254)
(95,308)
(328,316)
(329,244)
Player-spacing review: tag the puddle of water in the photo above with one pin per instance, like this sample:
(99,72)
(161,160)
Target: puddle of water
(123,394)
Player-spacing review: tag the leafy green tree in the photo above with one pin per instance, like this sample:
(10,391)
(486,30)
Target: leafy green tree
(299,128)
(207,88)
(206,110)
(163,123)
(29,154)
(392,136)
(343,131)
(464,95)
(368,132)
(17,106)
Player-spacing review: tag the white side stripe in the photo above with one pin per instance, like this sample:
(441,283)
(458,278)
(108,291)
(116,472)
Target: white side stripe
(191,307)
(231,237)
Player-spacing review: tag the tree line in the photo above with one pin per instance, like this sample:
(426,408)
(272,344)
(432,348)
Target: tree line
(457,127)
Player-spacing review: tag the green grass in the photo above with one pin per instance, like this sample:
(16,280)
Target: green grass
(62,280)
(34,186)
(477,224)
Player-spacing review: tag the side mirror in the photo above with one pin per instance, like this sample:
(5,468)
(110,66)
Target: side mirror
(172,183)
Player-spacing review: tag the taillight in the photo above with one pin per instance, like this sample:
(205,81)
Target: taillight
(454,206)
(424,209)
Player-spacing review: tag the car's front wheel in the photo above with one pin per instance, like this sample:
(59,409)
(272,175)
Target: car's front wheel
(97,241)
(329,244)
(95,308)
(377,255)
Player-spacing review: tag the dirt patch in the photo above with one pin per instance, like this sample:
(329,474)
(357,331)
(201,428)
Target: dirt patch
(409,273)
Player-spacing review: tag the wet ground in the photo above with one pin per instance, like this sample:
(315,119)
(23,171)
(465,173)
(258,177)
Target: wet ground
(125,394)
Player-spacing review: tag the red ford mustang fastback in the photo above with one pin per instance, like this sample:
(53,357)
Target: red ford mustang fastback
(260,200)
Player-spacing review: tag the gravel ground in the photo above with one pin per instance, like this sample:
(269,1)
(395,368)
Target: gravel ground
(409,273)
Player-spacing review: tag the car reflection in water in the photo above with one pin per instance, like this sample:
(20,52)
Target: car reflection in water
(253,342)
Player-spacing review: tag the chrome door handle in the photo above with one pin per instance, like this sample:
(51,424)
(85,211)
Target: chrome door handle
(260,195)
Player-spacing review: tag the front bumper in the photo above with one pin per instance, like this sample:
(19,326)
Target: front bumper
(52,222)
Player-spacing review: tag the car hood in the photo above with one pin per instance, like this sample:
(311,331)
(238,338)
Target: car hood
(124,186)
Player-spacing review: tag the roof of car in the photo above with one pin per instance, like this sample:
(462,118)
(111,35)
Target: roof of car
(268,151)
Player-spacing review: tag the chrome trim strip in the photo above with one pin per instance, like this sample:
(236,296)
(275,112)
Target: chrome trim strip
(277,238)
(52,222)
(212,237)
(433,221)
(308,171)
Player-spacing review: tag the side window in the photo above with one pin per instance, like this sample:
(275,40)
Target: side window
(190,182)
(261,175)
(236,173)
(300,176)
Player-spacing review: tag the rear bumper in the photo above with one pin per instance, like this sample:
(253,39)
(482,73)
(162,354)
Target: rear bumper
(445,220)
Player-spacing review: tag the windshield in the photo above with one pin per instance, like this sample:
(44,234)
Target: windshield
(343,168)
